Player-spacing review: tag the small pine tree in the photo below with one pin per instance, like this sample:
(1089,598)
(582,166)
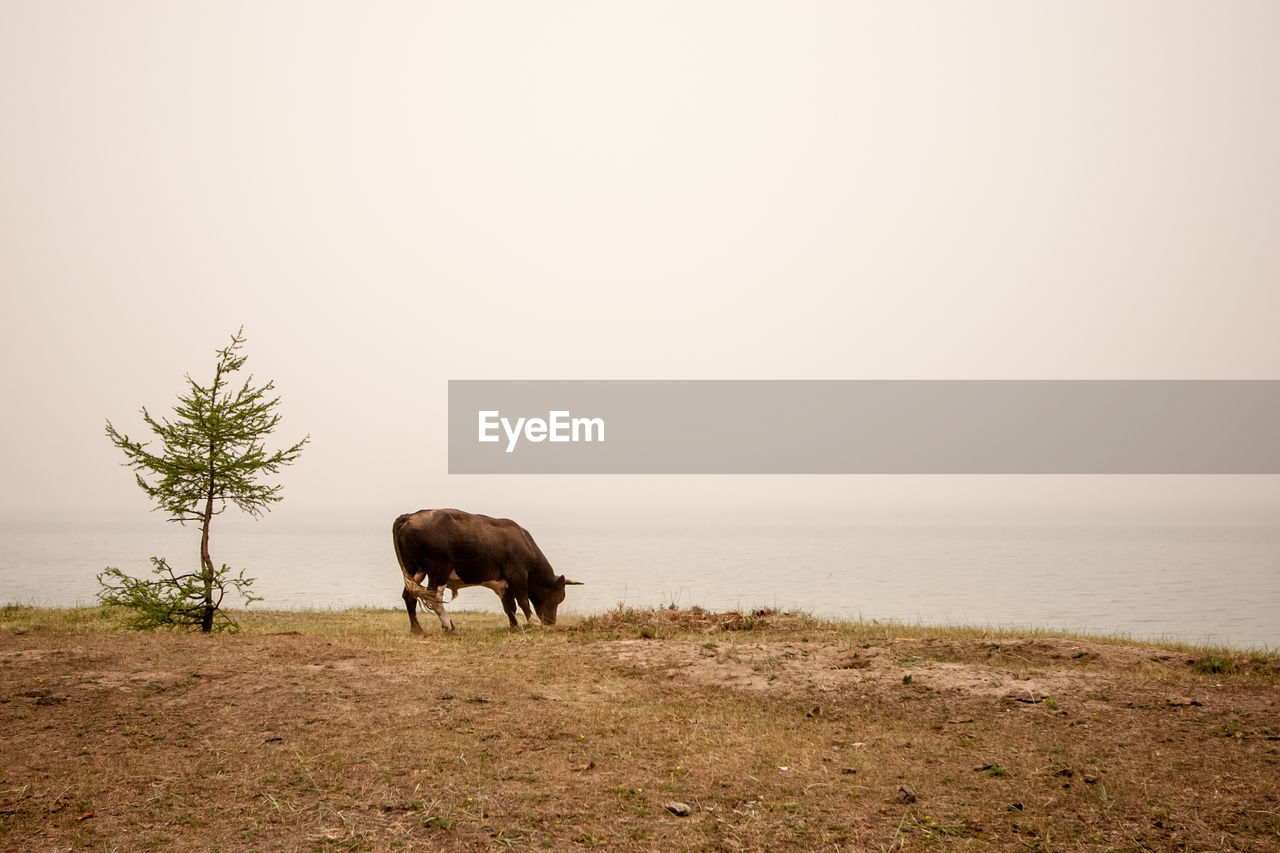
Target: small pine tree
(211,454)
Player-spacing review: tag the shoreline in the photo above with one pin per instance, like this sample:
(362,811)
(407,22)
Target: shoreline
(320,619)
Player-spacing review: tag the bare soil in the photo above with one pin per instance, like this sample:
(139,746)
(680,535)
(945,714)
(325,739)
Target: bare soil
(329,731)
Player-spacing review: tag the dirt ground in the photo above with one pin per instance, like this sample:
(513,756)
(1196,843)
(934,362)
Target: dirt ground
(651,730)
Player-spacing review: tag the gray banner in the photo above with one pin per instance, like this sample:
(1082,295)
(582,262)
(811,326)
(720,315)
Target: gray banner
(864,427)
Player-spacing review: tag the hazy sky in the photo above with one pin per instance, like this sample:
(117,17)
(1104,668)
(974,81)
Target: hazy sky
(391,195)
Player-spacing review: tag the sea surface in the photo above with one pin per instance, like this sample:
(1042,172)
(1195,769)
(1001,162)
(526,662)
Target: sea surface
(1216,584)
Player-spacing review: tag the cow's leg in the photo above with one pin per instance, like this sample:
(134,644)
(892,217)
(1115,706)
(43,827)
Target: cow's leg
(509,605)
(520,589)
(437,604)
(411,604)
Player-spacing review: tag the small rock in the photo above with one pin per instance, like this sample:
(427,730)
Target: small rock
(906,795)
(1091,780)
(677,808)
(814,711)
(1066,771)
(980,767)
(955,721)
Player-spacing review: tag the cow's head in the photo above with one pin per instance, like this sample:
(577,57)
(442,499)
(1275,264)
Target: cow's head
(551,600)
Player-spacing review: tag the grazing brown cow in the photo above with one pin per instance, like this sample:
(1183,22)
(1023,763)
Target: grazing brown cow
(449,548)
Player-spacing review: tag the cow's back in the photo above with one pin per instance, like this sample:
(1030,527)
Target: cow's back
(477,548)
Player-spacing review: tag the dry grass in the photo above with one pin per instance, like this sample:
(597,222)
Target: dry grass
(336,730)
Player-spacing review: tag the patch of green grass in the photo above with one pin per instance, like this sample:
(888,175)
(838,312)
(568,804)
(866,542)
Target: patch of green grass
(1231,728)
(1213,664)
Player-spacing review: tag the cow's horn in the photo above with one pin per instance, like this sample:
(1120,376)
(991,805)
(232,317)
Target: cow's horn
(568,582)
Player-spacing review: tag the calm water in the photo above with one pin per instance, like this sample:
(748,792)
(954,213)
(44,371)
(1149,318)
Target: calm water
(1215,584)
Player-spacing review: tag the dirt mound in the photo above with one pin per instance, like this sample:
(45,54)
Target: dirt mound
(695,620)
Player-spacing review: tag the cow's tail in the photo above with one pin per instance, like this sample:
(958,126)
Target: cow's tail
(417,590)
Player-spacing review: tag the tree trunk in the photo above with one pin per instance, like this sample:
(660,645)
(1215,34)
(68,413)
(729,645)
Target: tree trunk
(206,567)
